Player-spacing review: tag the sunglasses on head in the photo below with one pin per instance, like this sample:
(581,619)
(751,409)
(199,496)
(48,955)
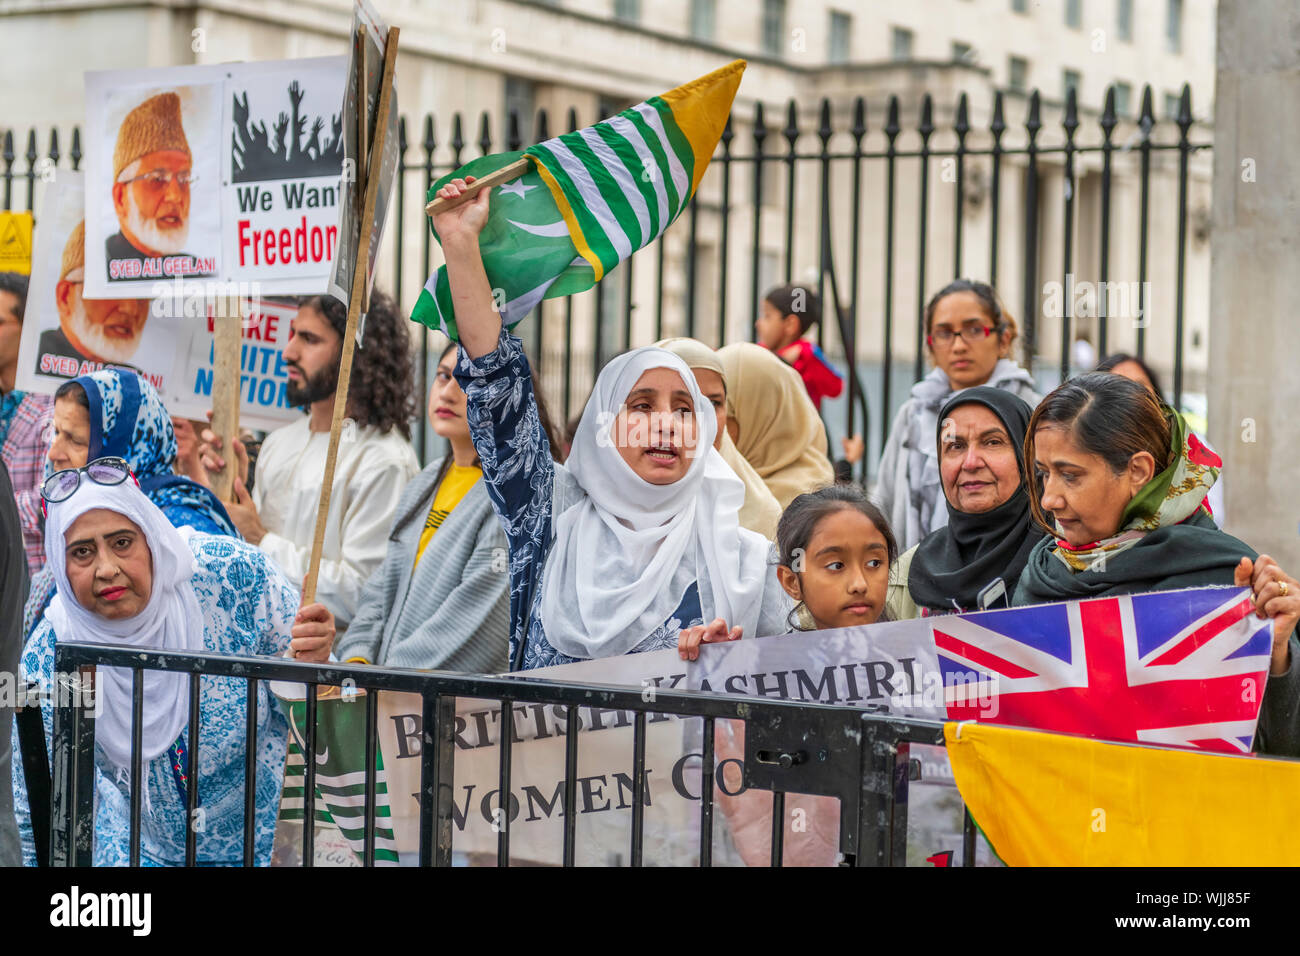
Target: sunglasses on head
(102,471)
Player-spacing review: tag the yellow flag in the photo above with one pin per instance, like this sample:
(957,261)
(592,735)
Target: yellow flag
(620,183)
(1055,800)
(16,242)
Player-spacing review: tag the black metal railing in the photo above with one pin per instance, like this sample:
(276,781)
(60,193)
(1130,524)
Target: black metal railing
(824,167)
(790,747)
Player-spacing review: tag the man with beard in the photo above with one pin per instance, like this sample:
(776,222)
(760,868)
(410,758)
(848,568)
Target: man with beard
(375,459)
(92,333)
(24,419)
(152,173)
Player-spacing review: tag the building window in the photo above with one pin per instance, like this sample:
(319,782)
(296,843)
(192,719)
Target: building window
(1124,20)
(774,27)
(1123,99)
(902,43)
(1070,80)
(837,45)
(1174,26)
(628,11)
(962,52)
(704,16)
(1017,72)
(1020,6)
(1074,13)
(1171,105)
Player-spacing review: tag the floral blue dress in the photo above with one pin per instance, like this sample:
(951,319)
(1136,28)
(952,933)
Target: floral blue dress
(248,608)
(528,490)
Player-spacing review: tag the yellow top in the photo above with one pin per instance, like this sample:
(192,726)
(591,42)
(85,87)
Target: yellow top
(455,484)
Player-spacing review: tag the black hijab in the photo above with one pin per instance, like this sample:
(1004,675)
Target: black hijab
(955,563)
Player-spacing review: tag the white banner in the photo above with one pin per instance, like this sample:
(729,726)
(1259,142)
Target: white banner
(889,668)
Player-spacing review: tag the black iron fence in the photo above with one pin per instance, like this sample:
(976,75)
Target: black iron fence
(883,202)
(790,747)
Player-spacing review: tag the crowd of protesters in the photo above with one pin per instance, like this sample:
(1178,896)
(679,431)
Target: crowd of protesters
(694,501)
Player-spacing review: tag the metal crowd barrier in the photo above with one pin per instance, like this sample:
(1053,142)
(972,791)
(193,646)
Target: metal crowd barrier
(861,758)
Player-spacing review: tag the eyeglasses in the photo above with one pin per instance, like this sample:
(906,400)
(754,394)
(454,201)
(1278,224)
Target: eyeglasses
(102,471)
(971,333)
(158,179)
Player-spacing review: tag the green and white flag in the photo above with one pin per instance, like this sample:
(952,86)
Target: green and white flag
(589,198)
(340,774)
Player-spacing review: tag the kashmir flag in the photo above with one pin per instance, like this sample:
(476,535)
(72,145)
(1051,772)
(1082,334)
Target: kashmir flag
(589,198)
(340,774)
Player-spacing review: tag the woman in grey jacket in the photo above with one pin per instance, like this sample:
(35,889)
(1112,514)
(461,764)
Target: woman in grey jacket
(441,598)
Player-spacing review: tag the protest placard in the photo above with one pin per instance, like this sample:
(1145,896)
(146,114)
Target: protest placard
(66,333)
(369,42)
(263,375)
(875,668)
(169,341)
(227,172)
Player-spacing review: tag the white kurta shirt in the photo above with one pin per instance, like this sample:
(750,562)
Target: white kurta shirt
(371,471)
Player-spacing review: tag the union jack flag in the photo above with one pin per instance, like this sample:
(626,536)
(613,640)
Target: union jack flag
(1174,668)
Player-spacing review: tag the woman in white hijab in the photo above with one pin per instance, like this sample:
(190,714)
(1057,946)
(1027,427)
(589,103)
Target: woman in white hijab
(126,576)
(635,542)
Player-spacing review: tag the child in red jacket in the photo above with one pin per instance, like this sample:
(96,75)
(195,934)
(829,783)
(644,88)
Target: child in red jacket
(789,311)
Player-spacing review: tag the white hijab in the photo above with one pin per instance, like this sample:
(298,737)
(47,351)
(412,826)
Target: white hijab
(625,555)
(171,620)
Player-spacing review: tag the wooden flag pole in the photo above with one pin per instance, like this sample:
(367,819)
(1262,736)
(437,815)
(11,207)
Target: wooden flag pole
(359,276)
(502,175)
(227,328)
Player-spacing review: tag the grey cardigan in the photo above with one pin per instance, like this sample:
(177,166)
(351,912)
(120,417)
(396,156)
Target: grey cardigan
(453,613)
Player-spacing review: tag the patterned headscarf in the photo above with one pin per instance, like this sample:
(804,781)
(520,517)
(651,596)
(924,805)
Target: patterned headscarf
(128,419)
(1169,498)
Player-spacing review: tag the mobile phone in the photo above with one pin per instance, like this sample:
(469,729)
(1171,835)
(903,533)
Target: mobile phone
(995,592)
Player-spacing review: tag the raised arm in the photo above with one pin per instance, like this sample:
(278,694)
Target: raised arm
(513,450)
(477,319)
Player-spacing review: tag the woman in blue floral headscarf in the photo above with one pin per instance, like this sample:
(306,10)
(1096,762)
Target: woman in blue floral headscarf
(118,413)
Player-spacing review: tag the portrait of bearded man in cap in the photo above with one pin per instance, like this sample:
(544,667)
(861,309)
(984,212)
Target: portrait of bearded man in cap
(153,171)
(102,331)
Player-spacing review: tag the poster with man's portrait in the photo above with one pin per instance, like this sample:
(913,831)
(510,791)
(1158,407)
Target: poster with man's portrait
(153,207)
(204,175)
(168,340)
(66,333)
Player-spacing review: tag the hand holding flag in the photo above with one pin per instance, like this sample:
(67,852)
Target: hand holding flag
(1276,595)
(471,296)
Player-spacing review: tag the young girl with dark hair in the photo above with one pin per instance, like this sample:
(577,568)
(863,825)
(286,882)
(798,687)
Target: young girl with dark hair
(835,549)
(969,335)
(1119,483)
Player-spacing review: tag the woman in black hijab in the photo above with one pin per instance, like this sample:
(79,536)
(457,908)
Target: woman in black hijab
(974,561)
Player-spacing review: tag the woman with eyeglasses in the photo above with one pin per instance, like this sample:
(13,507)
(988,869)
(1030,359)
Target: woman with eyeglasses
(969,335)
(117,413)
(126,576)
